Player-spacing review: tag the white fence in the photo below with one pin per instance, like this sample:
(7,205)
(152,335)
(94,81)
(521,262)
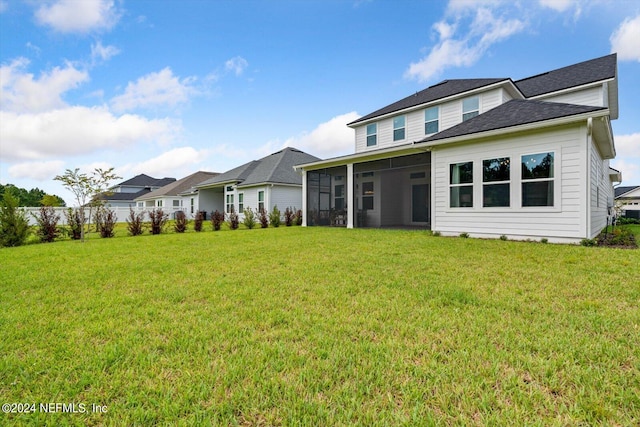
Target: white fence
(121,213)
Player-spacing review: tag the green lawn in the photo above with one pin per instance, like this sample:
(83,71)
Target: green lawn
(319,326)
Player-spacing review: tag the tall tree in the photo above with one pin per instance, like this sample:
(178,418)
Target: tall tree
(86,187)
(14,226)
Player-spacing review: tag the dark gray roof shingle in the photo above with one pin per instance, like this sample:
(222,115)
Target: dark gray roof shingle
(512,113)
(143,180)
(432,93)
(619,191)
(181,185)
(586,72)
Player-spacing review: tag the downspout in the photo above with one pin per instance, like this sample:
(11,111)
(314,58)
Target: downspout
(588,186)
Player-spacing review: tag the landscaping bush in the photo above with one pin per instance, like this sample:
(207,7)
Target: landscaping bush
(234,221)
(157,220)
(74,223)
(623,220)
(263,218)
(180,225)
(274,217)
(619,236)
(217,218)
(464,235)
(298,217)
(47,220)
(105,220)
(288,217)
(249,220)
(14,226)
(197,223)
(135,224)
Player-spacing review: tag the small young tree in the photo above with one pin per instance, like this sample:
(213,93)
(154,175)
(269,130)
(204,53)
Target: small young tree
(298,217)
(197,223)
(158,219)
(263,218)
(233,219)
(135,222)
(274,217)
(47,220)
(288,217)
(74,222)
(217,218)
(14,226)
(86,188)
(249,220)
(180,226)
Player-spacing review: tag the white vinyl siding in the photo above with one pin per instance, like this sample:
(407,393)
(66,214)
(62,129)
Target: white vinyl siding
(566,219)
(591,96)
(285,197)
(600,190)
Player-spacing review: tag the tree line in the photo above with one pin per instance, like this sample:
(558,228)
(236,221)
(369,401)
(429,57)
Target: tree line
(32,198)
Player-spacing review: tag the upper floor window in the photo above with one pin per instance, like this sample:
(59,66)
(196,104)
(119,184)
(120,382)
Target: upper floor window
(431,120)
(537,179)
(461,185)
(496,189)
(372,134)
(398,128)
(470,107)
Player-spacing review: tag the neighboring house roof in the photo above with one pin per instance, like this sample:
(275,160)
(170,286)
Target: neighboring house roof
(143,180)
(276,168)
(179,186)
(583,73)
(622,191)
(512,113)
(441,90)
(123,197)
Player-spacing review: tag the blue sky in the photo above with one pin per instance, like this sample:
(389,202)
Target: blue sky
(168,87)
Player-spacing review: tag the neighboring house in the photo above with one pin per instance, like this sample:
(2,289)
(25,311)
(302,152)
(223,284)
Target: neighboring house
(488,157)
(170,197)
(629,200)
(259,184)
(124,194)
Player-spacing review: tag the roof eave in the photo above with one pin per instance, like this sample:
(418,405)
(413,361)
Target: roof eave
(382,153)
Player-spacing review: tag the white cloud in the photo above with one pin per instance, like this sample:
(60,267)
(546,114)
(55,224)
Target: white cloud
(76,130)
(73,16)
(103,53)
(40,171)
(626,40)
(155,89)
(627,158)
(4,5)
(558,5)
(463,50)
(20,92)
(628,145)
(178,162)
(237,64)
(329,139)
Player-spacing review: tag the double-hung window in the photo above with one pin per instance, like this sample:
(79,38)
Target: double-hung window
(431,120)
(240,202)
(496,188)
(260,201)
(229,203)
(372,134)
(537,179)
(470,108)
(399,128)
(461,185)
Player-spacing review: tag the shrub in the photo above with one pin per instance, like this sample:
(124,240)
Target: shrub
(544,240)
(619,236)
(623,220)
(249,220)
(588,242)
(180,225)
(197,224)
(14,226)
(298,217)
(157,220)
(217,218)
(288,217)
(274,217)
(234,221)
(263,218)
(504,237)
(74,222)
(105,221)
(47,220)
(464,235)
(135,224)
(437,234)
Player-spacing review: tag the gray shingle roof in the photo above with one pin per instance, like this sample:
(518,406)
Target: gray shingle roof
(619,191)
(586,72)
(276,168)
(180,185)
(143,180)
(124,196)
(512,113)
(432,93)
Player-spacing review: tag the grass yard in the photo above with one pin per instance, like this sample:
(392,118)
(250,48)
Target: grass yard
(319,326)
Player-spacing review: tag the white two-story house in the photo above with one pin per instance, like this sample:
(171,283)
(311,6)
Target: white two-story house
(527,159)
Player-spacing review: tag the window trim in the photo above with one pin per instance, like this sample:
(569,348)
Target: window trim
(553,179)
(464,184)
(397,129)
(373,135)
(369,196)
(436,120)
(261,202)
(466,113)
(240,202)
(501,182)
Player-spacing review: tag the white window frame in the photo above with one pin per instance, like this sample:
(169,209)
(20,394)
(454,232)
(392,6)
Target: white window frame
(464,184)
(428,121)
(229,202)
(473,112)
(486,184)
(261,203)
(373,134)
(553,179)
(402,128)
(240,202)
